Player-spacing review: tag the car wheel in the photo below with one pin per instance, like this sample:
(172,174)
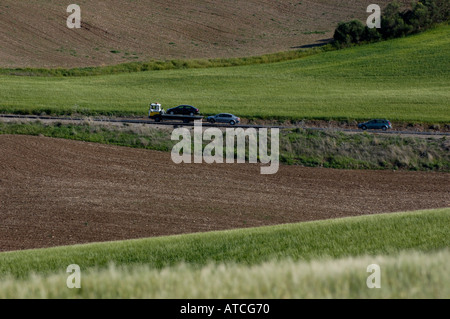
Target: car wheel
(364,127)
(232,122)
(384,128)
(212,121)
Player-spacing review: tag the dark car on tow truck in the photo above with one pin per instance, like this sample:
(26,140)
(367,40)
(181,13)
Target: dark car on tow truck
(183,110)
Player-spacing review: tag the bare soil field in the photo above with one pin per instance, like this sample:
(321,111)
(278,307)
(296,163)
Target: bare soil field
(34,33)
(59,192)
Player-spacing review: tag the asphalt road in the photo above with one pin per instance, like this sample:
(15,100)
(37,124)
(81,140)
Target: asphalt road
(206,124)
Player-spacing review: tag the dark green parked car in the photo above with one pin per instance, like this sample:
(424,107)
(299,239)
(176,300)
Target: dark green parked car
(376,125)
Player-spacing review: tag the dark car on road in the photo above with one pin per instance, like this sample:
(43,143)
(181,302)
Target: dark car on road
(224,118)
(183,110)
(376,125)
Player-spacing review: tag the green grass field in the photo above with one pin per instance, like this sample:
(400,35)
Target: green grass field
(408,275)
(320,259)
(404,79)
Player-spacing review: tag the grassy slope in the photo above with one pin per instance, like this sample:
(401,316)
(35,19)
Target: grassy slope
(297,146)
(408,275)
(385,234)
(404,79)
(309,260)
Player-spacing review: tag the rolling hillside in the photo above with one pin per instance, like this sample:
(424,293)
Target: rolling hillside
(403,80)
(34,33)
(322,259)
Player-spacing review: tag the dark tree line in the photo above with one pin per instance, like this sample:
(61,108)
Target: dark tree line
(394,23)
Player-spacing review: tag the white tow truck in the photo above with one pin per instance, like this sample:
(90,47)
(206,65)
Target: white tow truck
(157,113)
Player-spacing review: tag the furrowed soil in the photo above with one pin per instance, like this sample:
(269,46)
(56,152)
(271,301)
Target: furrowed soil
(59,192)
(35,33)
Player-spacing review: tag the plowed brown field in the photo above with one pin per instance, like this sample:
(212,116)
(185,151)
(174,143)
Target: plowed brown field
(35,34)
(60,192)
